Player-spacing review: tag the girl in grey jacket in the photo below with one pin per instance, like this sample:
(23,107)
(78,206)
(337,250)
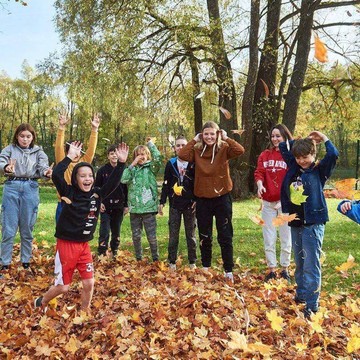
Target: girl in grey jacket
(23,163)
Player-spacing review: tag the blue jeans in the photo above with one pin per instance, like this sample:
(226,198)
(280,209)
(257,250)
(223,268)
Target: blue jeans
(19,210)
(306,244)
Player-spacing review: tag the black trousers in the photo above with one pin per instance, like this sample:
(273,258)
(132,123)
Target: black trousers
(220,208)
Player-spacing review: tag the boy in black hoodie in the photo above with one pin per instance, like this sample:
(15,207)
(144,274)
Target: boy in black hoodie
(178,186)
(77,223)
(113,208)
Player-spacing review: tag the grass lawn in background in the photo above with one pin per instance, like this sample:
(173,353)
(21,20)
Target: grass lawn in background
(342,238)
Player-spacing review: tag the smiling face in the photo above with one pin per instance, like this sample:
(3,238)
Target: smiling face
(179,144)
(305,161)
(276,138)
(112,157)
(209,136)
(24,139)
(85,178)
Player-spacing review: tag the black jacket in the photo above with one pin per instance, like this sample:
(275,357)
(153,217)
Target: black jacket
(172,177)
(118,198)
(80,212)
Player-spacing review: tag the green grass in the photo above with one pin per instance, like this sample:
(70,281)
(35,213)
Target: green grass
(342,237)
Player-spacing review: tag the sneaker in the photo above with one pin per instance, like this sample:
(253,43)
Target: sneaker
(229,277)
(26,265)
(205,268)
(192,266)
(299,301)
(270,276)
(39,305)
(285,275)
(172,266)
(308,312)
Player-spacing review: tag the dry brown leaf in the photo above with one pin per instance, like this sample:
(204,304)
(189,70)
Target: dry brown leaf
(226,113)
(237,131)
(266,88)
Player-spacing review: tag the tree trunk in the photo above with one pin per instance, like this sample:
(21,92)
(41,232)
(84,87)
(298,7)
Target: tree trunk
(226,88)
(196,90)
(264,109)
(303,36)
(249,91)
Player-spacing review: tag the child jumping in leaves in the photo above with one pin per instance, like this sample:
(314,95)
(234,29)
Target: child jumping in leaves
(77,222)
(307,200)
(140,178)
(269,174)
(211,151)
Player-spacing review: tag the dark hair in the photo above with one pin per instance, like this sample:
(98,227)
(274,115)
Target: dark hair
(284,132)
(111,148)
(303,147)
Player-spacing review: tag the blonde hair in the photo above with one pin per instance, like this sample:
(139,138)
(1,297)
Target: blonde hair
(141,148)
(212,125)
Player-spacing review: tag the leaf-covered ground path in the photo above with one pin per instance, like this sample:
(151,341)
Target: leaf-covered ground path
(146,311)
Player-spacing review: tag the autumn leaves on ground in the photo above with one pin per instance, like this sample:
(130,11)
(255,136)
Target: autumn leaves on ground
(146,311)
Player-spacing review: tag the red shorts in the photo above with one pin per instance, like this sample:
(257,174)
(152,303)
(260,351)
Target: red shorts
(71,255)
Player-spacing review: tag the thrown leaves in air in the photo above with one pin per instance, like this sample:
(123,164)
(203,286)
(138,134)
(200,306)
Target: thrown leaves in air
(320,50)
(178,189)
(106,139)
(237,131)
(257,220)
(226,112)
(282,219)
(296,195)
(266,88)
(67,200)
(199,96)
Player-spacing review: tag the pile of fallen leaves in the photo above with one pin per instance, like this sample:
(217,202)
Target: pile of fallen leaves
(142,310)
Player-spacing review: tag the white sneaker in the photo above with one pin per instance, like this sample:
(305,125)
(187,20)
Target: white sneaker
(206,268)
(172,266)
(229,276)
(192,266)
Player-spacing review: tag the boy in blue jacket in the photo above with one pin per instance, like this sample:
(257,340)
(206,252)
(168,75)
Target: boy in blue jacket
(302,193)
(179,174)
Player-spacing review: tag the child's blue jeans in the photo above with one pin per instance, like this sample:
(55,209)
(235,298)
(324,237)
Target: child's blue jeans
(306,243)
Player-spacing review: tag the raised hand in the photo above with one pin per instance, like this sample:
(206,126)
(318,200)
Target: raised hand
(74,150)
(318,137)
(223,134)
(95,122)
(63,120)
(122,152)
(198,137)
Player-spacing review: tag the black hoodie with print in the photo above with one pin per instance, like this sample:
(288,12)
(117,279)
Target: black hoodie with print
(80,212)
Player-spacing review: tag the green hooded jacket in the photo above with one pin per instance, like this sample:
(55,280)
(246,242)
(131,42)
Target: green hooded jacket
(142,185)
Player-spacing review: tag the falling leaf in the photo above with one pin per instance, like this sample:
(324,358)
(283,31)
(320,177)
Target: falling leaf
(350,263)
(199,96)
(237,131)
(282,219)
(320,50)
(226,113)
(178,189)
(296,195)
(277,321)
(349,13)
(106,139)
(266,88)
(257,220)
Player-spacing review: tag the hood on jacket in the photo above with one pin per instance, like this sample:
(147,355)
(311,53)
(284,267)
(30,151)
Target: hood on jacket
(76,169)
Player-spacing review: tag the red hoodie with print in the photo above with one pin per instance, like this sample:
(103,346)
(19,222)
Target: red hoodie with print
(271,170)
